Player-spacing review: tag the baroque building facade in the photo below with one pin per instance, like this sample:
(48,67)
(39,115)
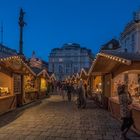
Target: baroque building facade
(37,63)
(129,40)
(69,59)
(130,37)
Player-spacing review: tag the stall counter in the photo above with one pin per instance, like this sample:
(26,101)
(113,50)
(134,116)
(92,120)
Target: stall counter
(7,103)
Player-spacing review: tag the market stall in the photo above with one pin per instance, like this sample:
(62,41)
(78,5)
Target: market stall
(73,79)
(101,72)
(7,97)
(43,81)
(30,88)
(52,77)
(116,68)
(12,71)
(132,79)
(77,78)
(23,78)
(84,76)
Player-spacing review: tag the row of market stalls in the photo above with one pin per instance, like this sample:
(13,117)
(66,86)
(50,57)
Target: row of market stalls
(109,69)
(83,74)
(20,84)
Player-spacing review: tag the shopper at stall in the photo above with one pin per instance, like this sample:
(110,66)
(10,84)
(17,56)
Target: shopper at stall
(125,111)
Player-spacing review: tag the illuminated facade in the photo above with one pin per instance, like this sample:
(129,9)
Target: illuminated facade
(129,39)
(69,59)
(36,62)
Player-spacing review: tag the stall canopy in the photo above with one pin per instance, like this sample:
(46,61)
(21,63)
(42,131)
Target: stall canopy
(77,76)
(106,62)
(44,73)
(52,77)
(16,64)
(84,73)
(40,72)
(73,78)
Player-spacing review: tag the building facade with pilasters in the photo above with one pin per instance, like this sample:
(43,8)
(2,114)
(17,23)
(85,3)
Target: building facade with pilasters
(69,59)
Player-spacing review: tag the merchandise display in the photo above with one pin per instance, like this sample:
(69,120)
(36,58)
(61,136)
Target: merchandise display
(29,84)
(43,85)
(97,85)
(132,80)
(4,91)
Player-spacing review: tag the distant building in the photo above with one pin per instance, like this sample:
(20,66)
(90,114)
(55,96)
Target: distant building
(69,59)
(38,63)
(130,37)
(5,51)
(111,45)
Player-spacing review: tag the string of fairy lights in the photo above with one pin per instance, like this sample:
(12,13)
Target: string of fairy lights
(21,61)
(115,58)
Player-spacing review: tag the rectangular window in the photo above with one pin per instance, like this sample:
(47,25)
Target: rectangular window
(75,69)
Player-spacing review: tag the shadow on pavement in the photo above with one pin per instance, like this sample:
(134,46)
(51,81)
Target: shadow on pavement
(10,116)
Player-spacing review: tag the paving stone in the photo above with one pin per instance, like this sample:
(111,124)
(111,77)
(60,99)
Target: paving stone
(57,119)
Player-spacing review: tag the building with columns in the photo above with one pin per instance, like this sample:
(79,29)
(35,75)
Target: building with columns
(69,59)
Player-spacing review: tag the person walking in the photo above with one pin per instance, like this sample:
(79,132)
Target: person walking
(86,94)
(69,90)
(81,100)
(63,91)
(125,101)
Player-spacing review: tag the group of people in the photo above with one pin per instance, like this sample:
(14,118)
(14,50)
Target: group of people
(71,91)
(80,91)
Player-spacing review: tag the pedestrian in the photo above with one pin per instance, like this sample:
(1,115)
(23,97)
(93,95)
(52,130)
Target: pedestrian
(63,91)
(69,90)
(125,101)
(81,100)
(75,87)
(85,86)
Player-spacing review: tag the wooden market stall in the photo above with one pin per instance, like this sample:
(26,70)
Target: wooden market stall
(30,90)
(7,96)
(77,78)
(12,84)
(52,77)
(73,79)
(43,81)
(84,75)
(117,67)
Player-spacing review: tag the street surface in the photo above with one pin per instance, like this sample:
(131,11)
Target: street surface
(57,119)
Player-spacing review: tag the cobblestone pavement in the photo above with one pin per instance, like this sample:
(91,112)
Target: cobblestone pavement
(57,119)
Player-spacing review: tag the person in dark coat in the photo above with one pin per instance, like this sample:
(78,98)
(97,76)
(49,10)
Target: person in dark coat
(81,100)
(69,90)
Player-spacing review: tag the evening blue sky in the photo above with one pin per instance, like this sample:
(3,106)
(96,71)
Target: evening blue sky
(51,23)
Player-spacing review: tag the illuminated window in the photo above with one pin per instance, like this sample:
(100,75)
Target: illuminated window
(60,59)
(43,86)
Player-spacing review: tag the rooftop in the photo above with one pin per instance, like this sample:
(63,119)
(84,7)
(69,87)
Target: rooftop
(124,55)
